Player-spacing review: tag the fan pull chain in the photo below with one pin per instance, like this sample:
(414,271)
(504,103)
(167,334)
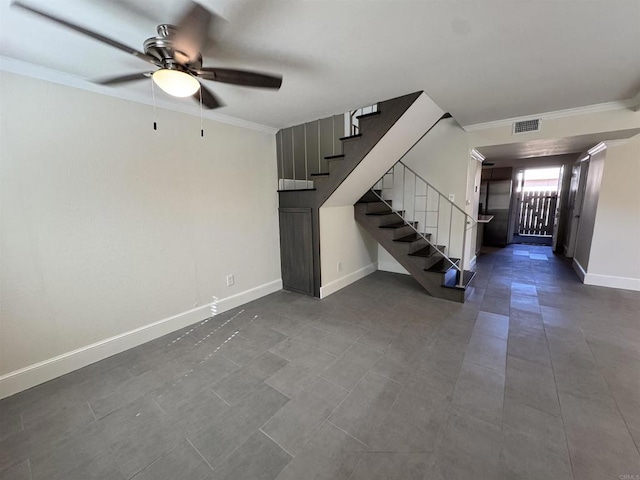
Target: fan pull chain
(201,127)
(153,95)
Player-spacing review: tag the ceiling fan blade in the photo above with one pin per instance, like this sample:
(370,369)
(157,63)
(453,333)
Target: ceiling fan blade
(241,77)
(209,100)
(192,30)
(89,33)
(123,78)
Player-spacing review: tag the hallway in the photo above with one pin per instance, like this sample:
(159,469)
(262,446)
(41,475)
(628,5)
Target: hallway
(535,377)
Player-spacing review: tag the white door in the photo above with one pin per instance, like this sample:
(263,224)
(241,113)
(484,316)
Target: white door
(576,195)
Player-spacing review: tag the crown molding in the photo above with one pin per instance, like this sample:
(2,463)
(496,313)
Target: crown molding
(26,69)
(615,143)
(569,112)
(597,149)
(476,155)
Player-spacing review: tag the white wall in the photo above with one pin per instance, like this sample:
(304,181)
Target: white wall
(614,254)
(442,159)
(344,241)
(109,226)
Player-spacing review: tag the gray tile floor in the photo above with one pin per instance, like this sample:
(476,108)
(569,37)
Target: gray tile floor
(535,377)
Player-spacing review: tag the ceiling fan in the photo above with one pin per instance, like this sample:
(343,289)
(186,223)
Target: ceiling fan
(176,53)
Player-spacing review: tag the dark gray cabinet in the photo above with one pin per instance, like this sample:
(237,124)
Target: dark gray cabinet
(296,249)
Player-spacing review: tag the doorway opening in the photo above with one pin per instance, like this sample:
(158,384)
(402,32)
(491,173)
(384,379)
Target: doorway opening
(537,193)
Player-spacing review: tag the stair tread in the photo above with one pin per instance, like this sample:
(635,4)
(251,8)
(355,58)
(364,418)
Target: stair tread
(395,225)
(427,251)
(442,266)
(412,237)
(386,212)
(320,174)
(351,137)
(334,157)
(367,115)
(467,277)
(297,190)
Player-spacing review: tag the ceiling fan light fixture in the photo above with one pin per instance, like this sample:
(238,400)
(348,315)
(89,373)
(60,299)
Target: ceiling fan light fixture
(176,82)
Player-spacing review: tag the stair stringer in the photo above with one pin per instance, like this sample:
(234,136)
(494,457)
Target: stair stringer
(432,283)
(394,144)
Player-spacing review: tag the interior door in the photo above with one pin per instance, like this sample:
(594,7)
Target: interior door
(576,195)
(296,249)
(556,215)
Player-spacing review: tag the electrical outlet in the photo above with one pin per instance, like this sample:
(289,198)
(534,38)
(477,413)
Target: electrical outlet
(452,197)
(339,266)
(230,280)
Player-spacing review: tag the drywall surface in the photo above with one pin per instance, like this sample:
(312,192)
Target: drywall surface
(343,241)
(442,158)
(615,257)
(607,121)
(109,226)
(587,223)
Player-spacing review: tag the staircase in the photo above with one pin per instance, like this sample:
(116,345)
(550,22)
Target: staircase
(381,138)
(384,136)
(420,231)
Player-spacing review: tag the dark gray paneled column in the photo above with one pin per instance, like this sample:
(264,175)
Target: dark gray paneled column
(299,153)
(287,152)
(313,147)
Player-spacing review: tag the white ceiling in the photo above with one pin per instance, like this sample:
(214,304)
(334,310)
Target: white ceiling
(481,60)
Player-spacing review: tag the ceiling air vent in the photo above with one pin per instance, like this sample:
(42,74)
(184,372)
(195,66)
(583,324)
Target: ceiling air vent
(526,126)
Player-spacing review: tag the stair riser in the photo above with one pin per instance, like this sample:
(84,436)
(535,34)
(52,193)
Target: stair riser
(369,196)
(415,245)
(424,263)
(402,232)
(335,167)
(374,207)
(367,122)
(386,219)
(432,260)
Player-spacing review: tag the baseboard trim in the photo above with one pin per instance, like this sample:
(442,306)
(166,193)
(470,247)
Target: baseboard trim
(578,269)
(472,262)
(611,281)
(392,267)
(340,283)
(24,378)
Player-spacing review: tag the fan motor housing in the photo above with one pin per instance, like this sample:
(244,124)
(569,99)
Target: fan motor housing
(161,48)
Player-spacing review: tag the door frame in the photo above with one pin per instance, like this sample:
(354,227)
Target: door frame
(574,218)
(557,213)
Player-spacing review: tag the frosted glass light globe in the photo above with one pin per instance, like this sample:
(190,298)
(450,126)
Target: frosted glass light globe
(175,82)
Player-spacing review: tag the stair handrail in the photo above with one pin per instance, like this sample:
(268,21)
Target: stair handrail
(439,192)
(469,220)
(410,225)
